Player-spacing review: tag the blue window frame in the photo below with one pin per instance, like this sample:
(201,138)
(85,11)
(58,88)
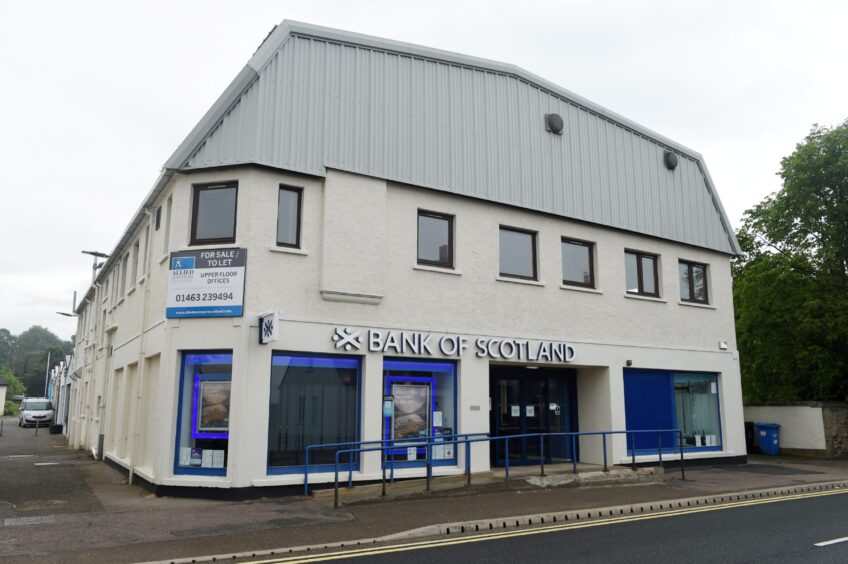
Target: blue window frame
(203,413)
(689,401)
(313,400)
(423,396)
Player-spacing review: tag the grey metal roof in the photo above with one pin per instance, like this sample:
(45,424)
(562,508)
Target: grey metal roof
(313,98)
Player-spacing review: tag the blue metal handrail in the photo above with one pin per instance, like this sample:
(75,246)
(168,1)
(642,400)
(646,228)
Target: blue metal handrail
(428,444)
(405,442)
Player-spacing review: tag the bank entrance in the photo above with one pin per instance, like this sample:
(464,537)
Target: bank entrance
(527,400)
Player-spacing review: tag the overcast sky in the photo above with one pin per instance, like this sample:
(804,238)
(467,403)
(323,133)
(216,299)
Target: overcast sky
(96,96)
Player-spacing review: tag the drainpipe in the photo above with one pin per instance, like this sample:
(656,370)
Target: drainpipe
(141,374)
(99,411)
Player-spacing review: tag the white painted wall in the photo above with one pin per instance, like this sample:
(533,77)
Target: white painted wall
(801,426)
(359,242)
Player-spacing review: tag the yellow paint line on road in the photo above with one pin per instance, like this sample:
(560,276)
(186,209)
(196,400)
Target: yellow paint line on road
(436,543)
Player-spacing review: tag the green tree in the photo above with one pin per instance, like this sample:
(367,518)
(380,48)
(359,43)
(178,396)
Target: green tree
(30,356)
(7,347)
(791,282)
(15,387)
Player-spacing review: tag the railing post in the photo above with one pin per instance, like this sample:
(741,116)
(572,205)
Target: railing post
(604,444)
(429,464)
(467,461)
(506,458)
(350,469)
(336,486)
(573,453)
(633,450)
(682,469)
(542,454)
(306,473)
(383,459)
(392,451)
(659,444)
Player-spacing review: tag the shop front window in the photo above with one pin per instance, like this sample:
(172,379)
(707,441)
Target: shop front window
(203,418)
(663,400)
(696,406)
(419,401)
(314,400)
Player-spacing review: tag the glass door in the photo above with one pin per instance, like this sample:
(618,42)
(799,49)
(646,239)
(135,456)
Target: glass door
(507,412)
(527,401)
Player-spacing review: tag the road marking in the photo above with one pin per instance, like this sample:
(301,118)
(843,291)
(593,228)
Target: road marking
(834,541)
(536,531)
(17,521)
(21,455)
(45,463)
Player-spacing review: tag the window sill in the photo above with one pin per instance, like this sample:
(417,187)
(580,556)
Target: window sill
(695,304)
(130,291)
(142,279)
(164,258)
(645,298)
(288,250)
(120,301)
(443,270)
(580,289)
(207,246)
(519,281)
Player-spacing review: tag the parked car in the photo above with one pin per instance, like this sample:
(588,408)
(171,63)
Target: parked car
(36,411)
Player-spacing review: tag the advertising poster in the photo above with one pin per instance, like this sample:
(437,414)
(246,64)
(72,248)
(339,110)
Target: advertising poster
(213,407)
(207,283)
(411,417)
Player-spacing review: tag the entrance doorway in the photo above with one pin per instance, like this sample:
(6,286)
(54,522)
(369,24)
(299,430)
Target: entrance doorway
(526,400)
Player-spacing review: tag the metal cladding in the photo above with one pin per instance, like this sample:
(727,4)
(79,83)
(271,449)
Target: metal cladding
(314,98)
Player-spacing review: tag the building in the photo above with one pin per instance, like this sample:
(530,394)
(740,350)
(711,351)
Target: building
(4,385)
(438,245)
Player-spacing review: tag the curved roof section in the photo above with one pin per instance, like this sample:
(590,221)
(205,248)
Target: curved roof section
(313,98)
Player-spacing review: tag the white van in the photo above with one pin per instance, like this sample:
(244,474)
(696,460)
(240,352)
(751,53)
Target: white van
(36,411)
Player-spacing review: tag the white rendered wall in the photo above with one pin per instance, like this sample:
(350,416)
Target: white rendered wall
(363,251)
(801,426)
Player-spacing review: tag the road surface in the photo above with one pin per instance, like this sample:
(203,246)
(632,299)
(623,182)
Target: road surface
(808,528)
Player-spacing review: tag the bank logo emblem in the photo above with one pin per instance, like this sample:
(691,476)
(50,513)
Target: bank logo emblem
(348,339)
(267,328)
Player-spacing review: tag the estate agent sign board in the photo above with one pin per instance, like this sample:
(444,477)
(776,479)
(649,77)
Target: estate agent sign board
(207,283)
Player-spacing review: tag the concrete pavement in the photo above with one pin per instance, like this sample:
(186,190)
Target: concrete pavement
(90,514)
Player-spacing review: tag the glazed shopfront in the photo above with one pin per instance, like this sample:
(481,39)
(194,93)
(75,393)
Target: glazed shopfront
(520,387)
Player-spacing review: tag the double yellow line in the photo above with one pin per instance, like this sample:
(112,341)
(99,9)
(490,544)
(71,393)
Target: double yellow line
(374,551)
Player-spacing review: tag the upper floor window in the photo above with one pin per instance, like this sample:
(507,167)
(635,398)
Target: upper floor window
(578,263)
(288,216)
(435,239)
(124,262)
(214,214)
(134,271)
(693,282)
(518,253)
(641,273)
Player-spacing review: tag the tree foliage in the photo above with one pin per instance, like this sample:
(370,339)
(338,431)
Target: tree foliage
(26,355)
(791,282)
(15,387)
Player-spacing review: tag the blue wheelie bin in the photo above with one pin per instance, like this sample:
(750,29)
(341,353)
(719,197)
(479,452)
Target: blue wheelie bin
(768,438)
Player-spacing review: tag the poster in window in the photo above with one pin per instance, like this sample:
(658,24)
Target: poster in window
(412,411)
(214,407)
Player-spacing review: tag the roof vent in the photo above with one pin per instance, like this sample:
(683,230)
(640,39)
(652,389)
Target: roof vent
(554,123)
(670,160)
